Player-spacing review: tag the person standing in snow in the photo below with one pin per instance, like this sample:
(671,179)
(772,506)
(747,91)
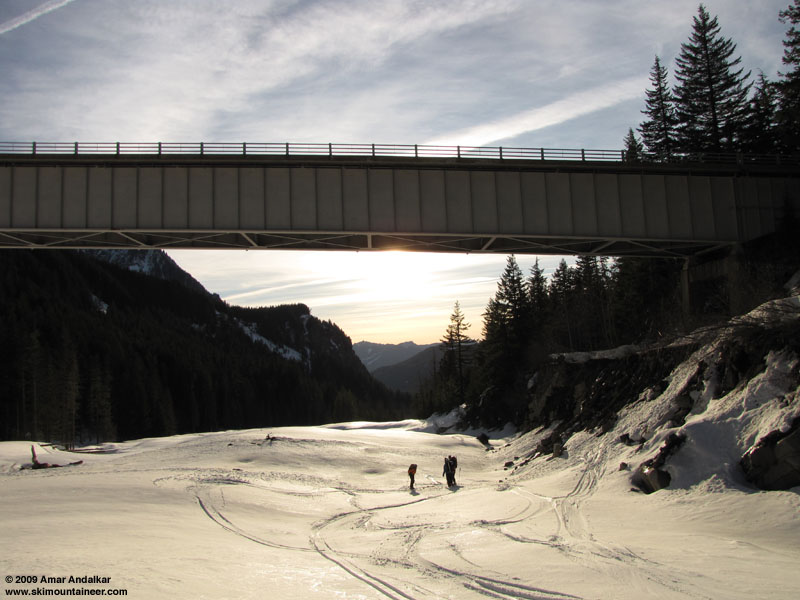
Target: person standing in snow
(412,470)
(453,467)
(448,471)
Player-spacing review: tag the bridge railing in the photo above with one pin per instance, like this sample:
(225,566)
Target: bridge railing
(376,150)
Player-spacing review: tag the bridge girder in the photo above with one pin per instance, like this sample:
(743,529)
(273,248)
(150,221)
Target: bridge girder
(367,203)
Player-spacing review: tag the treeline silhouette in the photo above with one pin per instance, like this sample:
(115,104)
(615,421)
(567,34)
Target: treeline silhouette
(94,352)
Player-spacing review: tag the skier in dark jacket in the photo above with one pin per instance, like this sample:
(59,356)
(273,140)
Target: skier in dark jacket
(412,470)
(448,472)
(453,467)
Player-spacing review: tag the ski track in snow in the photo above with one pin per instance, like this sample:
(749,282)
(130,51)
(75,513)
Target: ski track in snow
(401,542)
(208,490)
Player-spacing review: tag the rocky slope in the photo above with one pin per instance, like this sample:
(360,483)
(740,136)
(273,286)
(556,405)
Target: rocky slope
(727,397)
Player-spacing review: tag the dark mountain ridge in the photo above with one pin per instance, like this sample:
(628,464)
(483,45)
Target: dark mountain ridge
(409,375)
(94,350)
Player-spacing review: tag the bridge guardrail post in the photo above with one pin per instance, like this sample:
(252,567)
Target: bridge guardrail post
(458,151)
(287,148)
(159,148)
(117,148)
(76,148)
(244,148)
(330,149)
(33,147)
(501,153)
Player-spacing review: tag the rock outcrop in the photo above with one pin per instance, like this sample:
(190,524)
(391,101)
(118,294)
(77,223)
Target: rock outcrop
(774,462)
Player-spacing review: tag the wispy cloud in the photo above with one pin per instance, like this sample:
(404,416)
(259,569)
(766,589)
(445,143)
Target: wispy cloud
(32,14)
(570,107)
(383,296)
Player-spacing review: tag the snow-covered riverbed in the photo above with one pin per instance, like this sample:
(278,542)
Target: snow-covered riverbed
(325,512)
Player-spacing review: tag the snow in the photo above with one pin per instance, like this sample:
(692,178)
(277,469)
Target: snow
(250,330)
(583,357)
(99,305)
(325,512)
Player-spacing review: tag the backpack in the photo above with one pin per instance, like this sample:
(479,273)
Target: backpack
(412,469)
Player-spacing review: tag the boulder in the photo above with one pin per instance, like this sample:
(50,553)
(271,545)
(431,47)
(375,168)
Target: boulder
(650,479)
(649,476)
(774,462)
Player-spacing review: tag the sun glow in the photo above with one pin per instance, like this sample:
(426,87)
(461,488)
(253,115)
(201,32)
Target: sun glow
(394,275)
(380,295)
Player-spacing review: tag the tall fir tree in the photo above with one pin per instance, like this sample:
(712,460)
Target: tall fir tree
(504,352)
(760,133)
(711,94)
(789,84)
(513,296)
(660,129)
(454,359)
(537,291)
(561,294)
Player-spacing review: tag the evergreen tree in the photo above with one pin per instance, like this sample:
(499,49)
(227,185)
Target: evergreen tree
(760,134)
(561,298)
(100,422)
(454,359)
(537,291)
(495,341)
(68,387)
(645,298)
(634,151)
(660,129)
(789,85)
(591,304)
(513,298)
(504,352)
(711,94)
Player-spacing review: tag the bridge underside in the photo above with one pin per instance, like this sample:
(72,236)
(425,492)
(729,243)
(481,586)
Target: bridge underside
(362,204)
(353,241)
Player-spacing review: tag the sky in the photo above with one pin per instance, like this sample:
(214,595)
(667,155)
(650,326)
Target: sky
(523,73)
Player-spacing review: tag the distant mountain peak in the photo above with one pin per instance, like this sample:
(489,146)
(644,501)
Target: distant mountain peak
(375,355)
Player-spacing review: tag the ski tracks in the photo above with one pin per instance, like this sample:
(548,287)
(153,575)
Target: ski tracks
(377,554)
(573,536)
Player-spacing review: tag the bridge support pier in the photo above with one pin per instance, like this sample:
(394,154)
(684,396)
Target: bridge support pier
(718,284)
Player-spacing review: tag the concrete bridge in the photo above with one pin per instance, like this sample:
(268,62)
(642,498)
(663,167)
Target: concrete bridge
(376,197)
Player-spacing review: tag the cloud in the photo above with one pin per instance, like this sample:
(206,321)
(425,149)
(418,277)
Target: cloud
(560,111)
(32,14)
(377,296)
